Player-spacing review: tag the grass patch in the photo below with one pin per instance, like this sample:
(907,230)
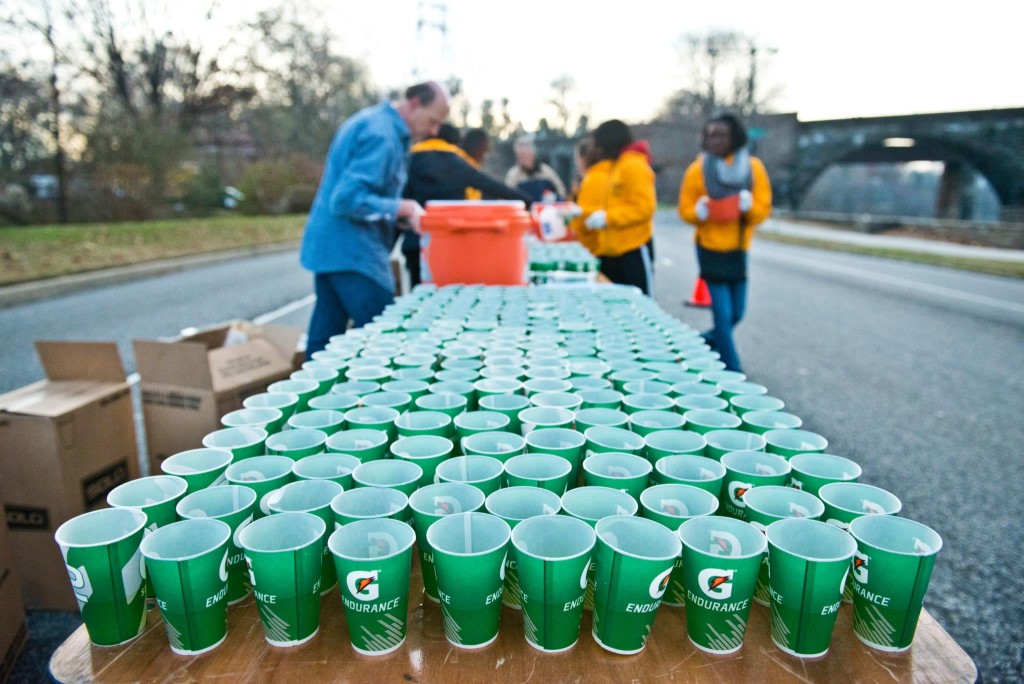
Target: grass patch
(989,266)
(33,253)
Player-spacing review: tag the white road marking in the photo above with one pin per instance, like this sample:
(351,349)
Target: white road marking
(283,311)
(906,283)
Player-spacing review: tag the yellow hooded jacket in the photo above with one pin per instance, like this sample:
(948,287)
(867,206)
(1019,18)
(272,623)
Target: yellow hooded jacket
(624,188)
(724,236)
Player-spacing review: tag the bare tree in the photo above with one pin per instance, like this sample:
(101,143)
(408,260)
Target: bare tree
(564,88)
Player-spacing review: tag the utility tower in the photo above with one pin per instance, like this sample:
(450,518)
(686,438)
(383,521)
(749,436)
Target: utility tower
(432,57)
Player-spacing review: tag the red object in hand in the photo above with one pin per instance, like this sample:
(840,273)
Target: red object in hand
(724,209)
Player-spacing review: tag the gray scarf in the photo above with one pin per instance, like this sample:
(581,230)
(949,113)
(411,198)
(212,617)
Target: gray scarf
(722,179)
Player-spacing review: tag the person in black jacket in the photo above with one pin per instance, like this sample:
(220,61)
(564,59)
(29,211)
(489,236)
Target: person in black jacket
(440,170)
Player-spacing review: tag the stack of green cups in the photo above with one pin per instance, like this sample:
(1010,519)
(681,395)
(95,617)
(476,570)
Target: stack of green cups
(513,505)
(813,471)
(562,442)
(188,564)
(553,556)
(745,470)
(235,506)
(103,560)
(310,496)
(431,503)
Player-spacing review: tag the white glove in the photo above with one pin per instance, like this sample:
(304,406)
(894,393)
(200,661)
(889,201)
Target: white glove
(701,209)
(573,211)
(746,200)
(597,221)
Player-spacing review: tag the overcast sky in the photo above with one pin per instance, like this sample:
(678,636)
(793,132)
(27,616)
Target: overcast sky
(833,60)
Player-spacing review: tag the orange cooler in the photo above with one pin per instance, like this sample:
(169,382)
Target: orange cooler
(476,242)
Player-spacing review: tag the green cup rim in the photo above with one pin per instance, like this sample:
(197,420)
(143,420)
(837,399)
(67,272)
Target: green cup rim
(123,490)
(398,526)
(780,527)
(557,431)
(473,415)
(826,491)
(549,458)
(648,437)
(363,492)
(737,525)
(314,524)
(285,462)
(633,458)
(253,440)
(442,445)
(546,522)
(138,518)
(381,435)
(457,518)
(598,490)
(181,509)
(156,536)
(284,385)
(328,489)
(656,529)
(456,459)
(320,458)
(257,423)
(605,428)
(666,461)
(337,416)
(429,490)
(414,475)
(695,415)
(728,433)
(769,490)
(857,529)
(657,490)
(292,400)
(167,462)
(476,437)
(536,492)
(772,434)
(797,464)
(315,438)
(746,454)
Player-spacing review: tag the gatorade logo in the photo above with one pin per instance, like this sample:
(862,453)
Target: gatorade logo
(860,567)
(842,582)
(724,544)
(501,572)
(796,484)
(382,545)
(762,469)
(921,547)
(252,577)
(715,583)
(798,511)
(446,505)
(736,491)
(871,508)
(224,567)
(764,530)
(265,503)
(659,584)
(707,474)
(618,471)
(839,523)
(583,577)
(80,584)
(674,507)
(363,584)
(236,538)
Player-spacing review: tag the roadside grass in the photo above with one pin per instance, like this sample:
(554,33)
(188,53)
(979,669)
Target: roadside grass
(37,252)
(989,266)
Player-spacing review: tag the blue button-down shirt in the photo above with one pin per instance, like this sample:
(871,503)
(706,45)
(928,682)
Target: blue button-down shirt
(351,224)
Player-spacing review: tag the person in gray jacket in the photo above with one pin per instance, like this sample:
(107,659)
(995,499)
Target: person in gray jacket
(534,179)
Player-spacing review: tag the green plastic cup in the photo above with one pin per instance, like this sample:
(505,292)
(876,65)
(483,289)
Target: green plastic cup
(562,442)
(566,400)
(310,496)
(742,403)
(327,421)
(499,445)
(604,398)
(721,442)
(760,422)
(507,404)
(199,468)
(671,505)
(474,422)
(363,443)
(431,503)
(704,422)
(695,471)
(426,451)
(188,564)
(634,559)
(694,387)
(324,377)
(789,443)
(469,560)
(891,569)
(303,389)
(284,553)
(459,388)
(445,402)
(553,558)
(262,474)
(631,403)
(372,559)
(647,422)
(334,467)
(809,561)
(767,504)
(546,471)
(662,443)
(389,473)
(594,417)
(646,387)
(242,442)
(363,503)
(469,375)
(591,504)
(715,377)
(373,418)
(285,402)
(414,388)
(424,423)
(626,472)
(234,506)
(601,439)
(544,417)
(360,388)
(367,373)
(270,419)
(482,472)
(513,505)
(721,558)
(735,388)
(297,444)
(700,402)
(399,401)
(745,470)
(334,402)
(489,386)
(813,471)
(105,566)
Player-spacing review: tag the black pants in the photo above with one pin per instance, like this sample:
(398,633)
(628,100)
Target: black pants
(412,264)
(632,268)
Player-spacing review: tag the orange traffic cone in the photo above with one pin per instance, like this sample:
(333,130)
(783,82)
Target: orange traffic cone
(700,297)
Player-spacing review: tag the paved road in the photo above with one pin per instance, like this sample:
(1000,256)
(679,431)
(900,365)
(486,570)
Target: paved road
(913,371)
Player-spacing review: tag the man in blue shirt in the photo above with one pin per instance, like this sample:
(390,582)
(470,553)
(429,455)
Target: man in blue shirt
(351,225)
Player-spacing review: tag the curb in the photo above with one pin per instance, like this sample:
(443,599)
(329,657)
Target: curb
(23,293)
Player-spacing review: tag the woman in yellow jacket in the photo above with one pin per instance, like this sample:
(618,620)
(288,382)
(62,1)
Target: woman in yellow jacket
(725,194)
(617,199)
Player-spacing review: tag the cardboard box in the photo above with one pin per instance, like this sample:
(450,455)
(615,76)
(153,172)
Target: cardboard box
(13,634)
(65,442)
(190,381)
